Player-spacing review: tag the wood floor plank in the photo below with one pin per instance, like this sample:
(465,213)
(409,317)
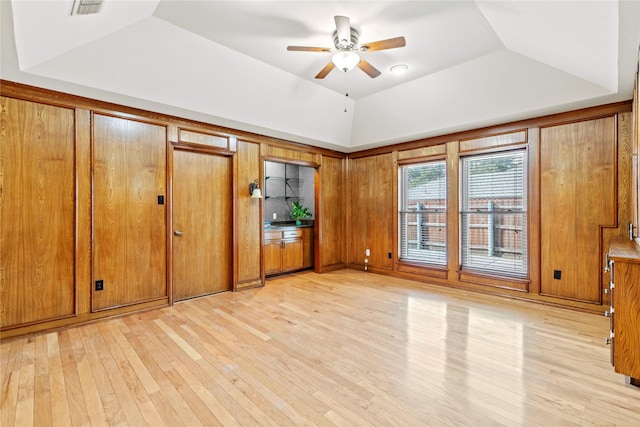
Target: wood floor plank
(11,364)
(95,408)
(124,394)
(75,396)
(42,394)
(172,407)
(178,340)
(25,403)
(133,378)
(111,409)
(60,407)
(345,348)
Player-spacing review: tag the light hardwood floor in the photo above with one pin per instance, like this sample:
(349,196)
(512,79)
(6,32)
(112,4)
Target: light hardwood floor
(345,348)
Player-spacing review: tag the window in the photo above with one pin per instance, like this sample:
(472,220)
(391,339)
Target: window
(423,213)
(493,213)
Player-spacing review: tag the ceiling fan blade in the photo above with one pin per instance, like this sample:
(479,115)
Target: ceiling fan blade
(326,70)
(384,44)
(308,49)
(371,71)
(343,29)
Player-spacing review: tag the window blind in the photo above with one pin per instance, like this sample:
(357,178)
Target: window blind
(493,213)
(422,216)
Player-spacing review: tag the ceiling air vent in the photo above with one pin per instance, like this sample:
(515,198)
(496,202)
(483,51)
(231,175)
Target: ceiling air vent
(86,7)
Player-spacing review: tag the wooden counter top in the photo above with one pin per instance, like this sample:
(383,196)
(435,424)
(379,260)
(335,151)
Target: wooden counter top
(625,250)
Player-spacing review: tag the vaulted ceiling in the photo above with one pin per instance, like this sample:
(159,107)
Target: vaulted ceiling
(471,63)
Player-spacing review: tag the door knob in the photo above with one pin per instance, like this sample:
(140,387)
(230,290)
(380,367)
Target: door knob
(178,232)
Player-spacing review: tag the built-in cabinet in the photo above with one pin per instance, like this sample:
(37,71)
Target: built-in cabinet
(624,312)
(283,250)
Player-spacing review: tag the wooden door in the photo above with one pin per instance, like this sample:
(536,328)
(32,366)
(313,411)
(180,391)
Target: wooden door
(129,223)
(202,224)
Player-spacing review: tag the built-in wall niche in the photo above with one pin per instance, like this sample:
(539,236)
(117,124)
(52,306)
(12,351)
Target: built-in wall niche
(284,184)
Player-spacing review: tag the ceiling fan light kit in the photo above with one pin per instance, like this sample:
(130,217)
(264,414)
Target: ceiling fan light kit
(345,60)
(345,52)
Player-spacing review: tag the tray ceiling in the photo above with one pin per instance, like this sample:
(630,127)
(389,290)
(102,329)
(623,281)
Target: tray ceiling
(471,63)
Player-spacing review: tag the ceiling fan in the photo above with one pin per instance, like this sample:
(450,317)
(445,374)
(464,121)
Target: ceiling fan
(346,52)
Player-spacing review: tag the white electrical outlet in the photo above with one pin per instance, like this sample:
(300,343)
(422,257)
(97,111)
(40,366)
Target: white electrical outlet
(275,215)
(367,252)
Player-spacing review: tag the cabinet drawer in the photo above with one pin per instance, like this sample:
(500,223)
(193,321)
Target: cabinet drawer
(292,234)
(273,235)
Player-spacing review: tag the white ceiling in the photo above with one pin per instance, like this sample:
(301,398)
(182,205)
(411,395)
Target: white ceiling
(471,63)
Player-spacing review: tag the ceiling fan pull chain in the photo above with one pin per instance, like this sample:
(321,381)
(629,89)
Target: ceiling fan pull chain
(346,90)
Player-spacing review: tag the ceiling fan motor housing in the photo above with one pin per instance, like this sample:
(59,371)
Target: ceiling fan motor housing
(346,44)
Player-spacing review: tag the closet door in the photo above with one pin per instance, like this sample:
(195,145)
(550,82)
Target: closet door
(202,224)
(129,213)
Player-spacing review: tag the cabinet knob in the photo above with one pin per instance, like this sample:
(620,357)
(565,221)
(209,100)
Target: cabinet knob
(178,233)
(607,291)
(607,313)
(607,341)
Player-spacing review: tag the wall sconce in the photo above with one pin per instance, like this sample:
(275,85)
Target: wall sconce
(254,190)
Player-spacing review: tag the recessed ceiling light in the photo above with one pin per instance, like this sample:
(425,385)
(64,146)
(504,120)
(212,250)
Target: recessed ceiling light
(399,69)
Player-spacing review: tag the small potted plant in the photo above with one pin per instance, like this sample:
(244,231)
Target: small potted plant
(298,212)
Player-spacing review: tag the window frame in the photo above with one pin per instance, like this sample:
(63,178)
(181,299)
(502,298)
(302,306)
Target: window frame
(524,213)
(439,261)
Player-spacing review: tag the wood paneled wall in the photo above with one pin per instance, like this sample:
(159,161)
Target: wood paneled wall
(37,213)
(579,177)
(371,212)
(635,161)
(80,181)
(577,198)
(129,225)
(248,217)
(331,224)
(51,209)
